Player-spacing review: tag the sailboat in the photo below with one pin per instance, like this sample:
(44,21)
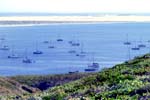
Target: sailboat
(90,69)
(135,47)
(59,39)
(75,43)
(73,72)
(2,37)
(72,51)
(93,66)
(37,51)
(46,42)
(141,45)
(50,45)
(13,55)
(127,41)
(4,46)
(27,59)
(81,53)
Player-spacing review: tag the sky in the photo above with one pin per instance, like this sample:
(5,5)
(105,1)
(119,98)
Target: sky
(75,6)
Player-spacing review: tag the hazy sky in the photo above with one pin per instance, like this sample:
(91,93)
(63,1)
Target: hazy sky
(75,6)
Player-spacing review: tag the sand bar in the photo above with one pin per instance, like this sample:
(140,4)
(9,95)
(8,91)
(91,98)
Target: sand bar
(69,19)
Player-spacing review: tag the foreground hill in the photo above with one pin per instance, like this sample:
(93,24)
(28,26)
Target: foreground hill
(43,82)
(10,87)
(127,81)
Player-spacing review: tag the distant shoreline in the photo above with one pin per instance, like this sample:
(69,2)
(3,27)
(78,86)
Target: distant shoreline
(40,20)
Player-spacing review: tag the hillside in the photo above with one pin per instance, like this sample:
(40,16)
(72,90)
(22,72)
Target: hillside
(43,82)
(127,81)
(9,87)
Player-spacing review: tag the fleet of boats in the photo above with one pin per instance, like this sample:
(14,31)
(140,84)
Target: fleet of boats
(80,52)
(137,45)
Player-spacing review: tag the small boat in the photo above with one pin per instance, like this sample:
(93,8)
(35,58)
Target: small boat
(94,65)
(73,72)
(82,53)
(90,69)
(127,41)
(13,56)
(75,43)
(135,48)
(45,42)
(27,60)
(59,40)
(37,52)
(72,51)
(5,47)
(51,47)
(141,45)
(70,42)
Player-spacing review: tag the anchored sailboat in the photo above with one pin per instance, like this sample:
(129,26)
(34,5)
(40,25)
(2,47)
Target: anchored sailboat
(59,39)
(141,45)
(82,53)
(4,46)
(127,40)
(27,59)
(135,47)
(37,51)
(51,45)
(93,66)
(13,55)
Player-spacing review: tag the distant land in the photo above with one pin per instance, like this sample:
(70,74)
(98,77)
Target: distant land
(21,19)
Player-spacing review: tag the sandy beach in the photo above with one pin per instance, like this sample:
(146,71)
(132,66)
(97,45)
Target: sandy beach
(24,20)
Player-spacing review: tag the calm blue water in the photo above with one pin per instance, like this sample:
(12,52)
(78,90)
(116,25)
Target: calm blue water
(104,41)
